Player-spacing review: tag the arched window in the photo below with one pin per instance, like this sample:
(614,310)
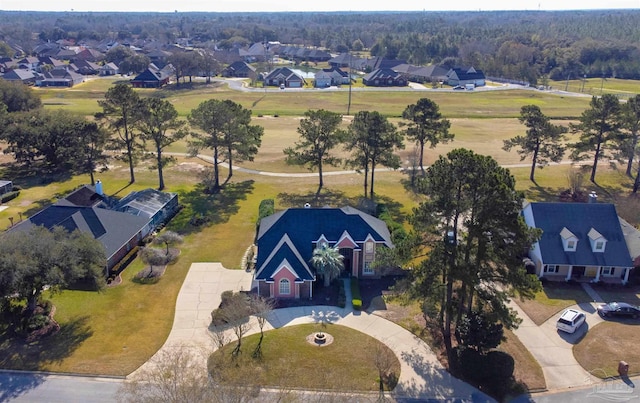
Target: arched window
(285,286)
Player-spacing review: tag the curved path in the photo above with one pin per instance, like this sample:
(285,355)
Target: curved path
(237,168)
(422,377)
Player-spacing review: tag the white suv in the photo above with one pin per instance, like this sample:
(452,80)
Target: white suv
(570,320)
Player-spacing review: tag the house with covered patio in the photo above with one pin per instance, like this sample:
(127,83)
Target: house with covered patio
(580,242)
(286,241)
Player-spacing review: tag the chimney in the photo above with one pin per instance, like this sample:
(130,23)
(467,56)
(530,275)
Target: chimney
(593,197)
(99,188)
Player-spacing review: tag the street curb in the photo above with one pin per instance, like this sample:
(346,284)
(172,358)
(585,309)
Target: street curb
(70,374)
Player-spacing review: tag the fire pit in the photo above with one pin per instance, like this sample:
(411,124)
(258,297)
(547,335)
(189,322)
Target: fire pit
(320,339)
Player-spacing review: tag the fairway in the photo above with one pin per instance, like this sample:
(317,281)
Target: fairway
(119,329)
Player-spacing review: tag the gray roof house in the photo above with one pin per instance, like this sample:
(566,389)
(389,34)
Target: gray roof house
(283,76)
(580,241)
(5,186)
(87,209)
(458,76)
(23,76)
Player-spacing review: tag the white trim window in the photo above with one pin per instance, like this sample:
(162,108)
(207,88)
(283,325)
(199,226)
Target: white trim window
(284,287)
(368,247)
(599,246)
(367,269)
(608,271)
(551,268)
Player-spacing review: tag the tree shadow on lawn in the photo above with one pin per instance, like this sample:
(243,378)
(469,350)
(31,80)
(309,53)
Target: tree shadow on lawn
(203,209)
(337,198)
(27,176)
(19,354)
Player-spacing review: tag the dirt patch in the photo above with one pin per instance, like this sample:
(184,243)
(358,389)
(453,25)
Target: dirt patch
(189,167)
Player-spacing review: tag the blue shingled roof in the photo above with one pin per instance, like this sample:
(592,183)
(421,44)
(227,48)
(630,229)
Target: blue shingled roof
(304,226)
(285,251)
(580,218)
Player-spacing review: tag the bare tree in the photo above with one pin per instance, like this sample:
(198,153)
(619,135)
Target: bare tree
(152,257)
(261,307)
(174,376)
(383,359)
(236,314)
(168,238)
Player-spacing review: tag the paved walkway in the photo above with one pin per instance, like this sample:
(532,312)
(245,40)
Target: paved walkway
(422,377)
(554,349)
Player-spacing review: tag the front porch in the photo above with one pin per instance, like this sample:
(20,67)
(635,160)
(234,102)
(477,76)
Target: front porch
(582,279)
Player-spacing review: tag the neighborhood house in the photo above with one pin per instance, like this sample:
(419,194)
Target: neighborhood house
(286,241)
(119,228)
(580,241)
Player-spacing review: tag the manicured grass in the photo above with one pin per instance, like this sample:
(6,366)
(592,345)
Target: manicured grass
(608,343)
(288,360)
(496,104)
(554,297)
(598,86)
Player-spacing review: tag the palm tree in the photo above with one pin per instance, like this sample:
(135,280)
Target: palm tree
(327,262)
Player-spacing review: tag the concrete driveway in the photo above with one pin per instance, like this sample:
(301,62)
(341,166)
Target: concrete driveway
(553,348)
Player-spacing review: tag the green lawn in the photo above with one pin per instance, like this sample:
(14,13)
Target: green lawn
(554,297)
(599,86)
(290,361)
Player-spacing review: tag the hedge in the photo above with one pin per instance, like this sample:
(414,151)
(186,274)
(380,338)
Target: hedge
(356,298)
(267,208)
(9,196)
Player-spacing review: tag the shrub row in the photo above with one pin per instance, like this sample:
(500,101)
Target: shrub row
(9,196)
(122,264)
(396,229)
(356,299)
(267,207)
(342,297)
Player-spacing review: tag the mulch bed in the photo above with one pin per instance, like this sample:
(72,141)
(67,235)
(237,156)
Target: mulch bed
(158,271)
(371,292)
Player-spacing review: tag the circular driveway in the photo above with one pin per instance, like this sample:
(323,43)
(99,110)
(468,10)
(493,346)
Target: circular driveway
(422,376)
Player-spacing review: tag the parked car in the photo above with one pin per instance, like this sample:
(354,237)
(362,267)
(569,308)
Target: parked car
(458,87)
(570,320)
(619,309)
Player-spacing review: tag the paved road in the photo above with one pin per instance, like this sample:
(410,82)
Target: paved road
(27,387)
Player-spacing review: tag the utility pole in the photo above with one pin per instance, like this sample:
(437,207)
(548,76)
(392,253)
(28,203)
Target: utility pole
(350,68)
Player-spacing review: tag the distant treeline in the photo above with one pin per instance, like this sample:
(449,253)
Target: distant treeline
(521,45)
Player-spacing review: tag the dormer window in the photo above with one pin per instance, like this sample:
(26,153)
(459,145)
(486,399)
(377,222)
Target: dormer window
(569,240)
(598,242)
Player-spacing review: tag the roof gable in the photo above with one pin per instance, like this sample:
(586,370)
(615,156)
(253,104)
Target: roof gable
(283,250)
